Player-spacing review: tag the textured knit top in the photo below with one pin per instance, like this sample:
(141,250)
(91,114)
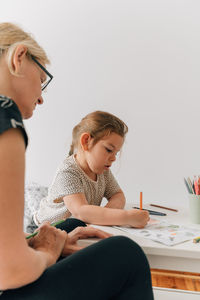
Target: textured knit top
(10,117)
(71,179)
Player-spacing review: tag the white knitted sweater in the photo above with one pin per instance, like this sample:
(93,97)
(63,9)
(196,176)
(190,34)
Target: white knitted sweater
(71,179)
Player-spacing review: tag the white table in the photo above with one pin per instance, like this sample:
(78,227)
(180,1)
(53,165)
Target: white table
(181,257)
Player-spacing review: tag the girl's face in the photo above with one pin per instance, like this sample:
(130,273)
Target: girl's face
(101,156)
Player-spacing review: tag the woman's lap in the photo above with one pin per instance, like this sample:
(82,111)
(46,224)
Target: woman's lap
(70,224)
(114,268)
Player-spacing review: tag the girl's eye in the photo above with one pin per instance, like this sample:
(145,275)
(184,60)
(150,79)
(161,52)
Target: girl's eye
(108,150)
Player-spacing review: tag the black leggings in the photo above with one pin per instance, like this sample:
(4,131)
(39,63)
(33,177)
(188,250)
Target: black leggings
(113,268)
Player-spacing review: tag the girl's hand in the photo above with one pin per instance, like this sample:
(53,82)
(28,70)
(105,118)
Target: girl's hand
(71,245)
(138,218)
(50,240)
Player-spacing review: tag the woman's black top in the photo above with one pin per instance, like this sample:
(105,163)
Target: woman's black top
(10,117)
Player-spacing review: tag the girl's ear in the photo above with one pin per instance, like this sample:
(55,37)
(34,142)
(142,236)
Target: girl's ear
(18,57)
(85,141)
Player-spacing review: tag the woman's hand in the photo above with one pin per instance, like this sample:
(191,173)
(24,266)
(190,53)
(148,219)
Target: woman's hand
(50,240)
(71,245)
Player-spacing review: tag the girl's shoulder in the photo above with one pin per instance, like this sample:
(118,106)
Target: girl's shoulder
(69,162)
(69,165)
(10,116)
(66,175)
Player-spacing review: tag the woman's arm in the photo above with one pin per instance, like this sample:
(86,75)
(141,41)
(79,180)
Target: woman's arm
(118,200)
(19,263)
(79,207)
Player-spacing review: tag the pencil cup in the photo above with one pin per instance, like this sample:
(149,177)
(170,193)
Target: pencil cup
(194,210)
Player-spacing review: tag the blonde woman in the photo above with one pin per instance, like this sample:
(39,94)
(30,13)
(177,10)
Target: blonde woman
(114,268)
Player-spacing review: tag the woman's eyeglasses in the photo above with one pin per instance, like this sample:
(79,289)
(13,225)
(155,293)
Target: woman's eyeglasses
(49,76)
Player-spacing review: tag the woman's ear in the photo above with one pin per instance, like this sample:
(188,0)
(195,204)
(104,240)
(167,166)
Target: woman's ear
(85,141)
(18,57)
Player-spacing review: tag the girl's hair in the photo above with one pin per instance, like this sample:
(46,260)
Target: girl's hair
(11,36)
(98,124)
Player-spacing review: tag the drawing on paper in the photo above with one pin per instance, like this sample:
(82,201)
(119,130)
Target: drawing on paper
(164,232)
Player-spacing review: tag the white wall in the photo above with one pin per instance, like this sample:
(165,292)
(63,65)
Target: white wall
(138,59)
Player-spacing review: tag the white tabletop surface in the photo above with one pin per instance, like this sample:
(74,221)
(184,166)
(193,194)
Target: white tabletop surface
(186,249)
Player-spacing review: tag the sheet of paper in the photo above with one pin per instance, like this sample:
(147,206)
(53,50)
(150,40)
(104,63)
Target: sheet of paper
(164,232)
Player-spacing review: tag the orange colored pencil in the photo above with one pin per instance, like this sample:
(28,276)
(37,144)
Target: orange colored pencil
(140,200)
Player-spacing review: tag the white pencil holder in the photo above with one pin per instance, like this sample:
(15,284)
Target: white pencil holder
(194,208)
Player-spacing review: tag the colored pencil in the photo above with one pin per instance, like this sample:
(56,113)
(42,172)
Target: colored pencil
(196,240)
(164,207)
(152,212)
(36,232)
(141,200)
(187,186)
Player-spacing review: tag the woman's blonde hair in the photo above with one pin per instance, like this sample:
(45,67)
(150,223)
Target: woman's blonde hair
(98,124)
(11,36)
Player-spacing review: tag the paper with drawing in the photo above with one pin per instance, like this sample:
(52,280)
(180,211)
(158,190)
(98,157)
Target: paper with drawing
(164,232)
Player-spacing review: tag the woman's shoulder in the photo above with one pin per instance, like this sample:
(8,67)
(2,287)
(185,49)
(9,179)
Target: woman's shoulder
(10,116)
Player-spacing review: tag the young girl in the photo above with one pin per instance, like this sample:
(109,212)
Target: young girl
(84,177)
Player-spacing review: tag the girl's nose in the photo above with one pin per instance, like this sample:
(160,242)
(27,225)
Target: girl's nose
(113,157)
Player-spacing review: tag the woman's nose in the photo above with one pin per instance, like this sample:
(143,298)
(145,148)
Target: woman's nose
(40,100)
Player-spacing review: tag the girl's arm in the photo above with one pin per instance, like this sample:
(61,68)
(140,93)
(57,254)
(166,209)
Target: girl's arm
(19,263)
(118,200)
(77,204)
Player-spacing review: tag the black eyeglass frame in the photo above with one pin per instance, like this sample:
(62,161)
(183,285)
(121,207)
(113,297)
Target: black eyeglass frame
(45,71)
